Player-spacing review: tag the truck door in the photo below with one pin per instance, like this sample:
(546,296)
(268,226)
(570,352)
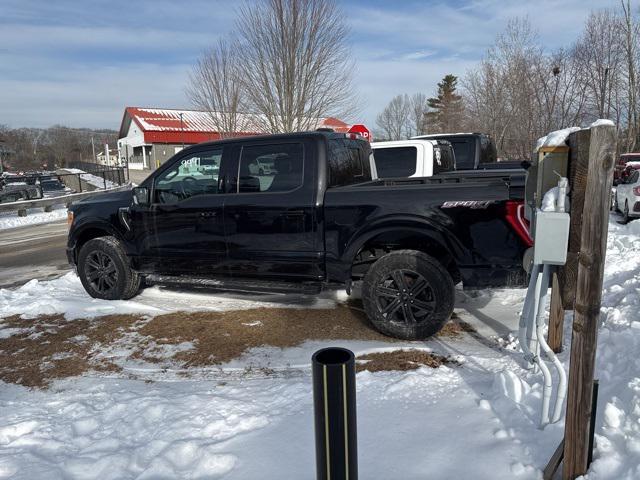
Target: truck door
(271,223)
(181,230)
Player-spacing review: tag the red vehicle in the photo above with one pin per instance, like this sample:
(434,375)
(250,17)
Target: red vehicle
(628,170)
(622,163)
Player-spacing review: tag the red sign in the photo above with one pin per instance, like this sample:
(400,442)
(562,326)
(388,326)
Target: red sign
(361,130)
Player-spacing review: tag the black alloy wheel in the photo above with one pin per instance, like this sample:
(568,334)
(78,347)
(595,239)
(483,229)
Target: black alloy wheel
(408,294)
(100,270)
(104,270)
(405,297)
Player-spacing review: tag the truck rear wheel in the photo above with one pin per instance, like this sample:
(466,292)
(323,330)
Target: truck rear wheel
(408,294)
(104,271)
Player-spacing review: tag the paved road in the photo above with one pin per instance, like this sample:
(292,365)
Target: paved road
(35,251)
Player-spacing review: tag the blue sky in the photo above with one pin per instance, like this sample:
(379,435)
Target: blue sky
(79,63)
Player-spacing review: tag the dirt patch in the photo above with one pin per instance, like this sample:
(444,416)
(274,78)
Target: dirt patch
(50,347)
(222,336)
(401,360)
(455,327)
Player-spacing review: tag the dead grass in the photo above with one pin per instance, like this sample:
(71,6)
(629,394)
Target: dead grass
(222,336)
(401,360)
(51,347)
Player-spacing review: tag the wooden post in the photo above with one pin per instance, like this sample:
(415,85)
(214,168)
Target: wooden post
(588,298)
(556,316)
(579,143)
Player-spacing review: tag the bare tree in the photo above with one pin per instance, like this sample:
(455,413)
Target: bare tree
(215,87)
(599,55)
(631,37)
(395,121)
(296,66)
(419,109)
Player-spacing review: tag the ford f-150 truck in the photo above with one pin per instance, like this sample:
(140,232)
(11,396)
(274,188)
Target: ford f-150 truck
(209,218)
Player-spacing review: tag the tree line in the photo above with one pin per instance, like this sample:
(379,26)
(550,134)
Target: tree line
(51,148)
(519,91)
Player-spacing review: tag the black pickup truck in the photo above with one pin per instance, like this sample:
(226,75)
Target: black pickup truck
(298,212)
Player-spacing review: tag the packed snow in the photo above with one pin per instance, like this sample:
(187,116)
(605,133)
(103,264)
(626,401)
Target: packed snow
(476,420)
(602,121)
(66,295)
(34,216)
(556,139)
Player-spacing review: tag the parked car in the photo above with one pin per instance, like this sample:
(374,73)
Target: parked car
(627,195)
(412,158)
(319,221)
(52,187)
(13,189)
(632,159)
(263,166)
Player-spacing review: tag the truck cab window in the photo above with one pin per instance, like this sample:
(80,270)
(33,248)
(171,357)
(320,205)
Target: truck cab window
(196,174)
(271,168)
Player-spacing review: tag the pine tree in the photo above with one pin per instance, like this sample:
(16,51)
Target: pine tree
(446,109)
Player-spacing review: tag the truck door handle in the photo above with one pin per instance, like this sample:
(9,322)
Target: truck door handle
(208,214)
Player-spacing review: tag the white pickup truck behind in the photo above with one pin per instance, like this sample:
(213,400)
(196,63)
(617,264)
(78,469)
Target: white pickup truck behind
(412,158)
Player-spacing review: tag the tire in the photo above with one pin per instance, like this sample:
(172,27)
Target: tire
(625,214)
(104,271)
(616,207)
(425,286)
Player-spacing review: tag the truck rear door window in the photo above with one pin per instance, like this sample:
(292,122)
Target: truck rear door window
(270,168)
(348,162)
(395,162)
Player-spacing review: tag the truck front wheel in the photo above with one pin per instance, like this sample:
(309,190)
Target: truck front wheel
(408,294)
(104,271)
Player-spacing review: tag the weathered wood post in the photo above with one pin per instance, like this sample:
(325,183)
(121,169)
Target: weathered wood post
(588,298)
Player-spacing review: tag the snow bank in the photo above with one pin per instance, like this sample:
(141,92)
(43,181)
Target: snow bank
(34,216)
(66,295)
(556,139)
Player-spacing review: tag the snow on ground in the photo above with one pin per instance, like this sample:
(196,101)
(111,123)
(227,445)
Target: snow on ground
(476,420)
(66,295)
(34,216)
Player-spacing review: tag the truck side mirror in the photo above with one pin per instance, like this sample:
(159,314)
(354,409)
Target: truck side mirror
(141,196)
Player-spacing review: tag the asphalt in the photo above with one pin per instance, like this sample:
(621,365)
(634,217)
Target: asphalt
(34,251)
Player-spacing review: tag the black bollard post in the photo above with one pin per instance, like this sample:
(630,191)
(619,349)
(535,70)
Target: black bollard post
(334,404)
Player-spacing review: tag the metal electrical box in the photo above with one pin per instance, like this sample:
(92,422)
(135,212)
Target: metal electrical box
(552,164)
(549,164)
(551,238)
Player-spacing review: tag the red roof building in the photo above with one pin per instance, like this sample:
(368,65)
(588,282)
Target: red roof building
(150,136)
